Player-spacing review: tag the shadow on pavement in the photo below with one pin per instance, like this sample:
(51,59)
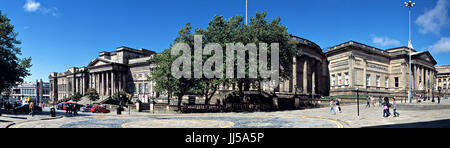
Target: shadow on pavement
(429,124)
(4,121)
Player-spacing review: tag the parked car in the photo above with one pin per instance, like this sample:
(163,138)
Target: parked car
(26,108)
(87,108)
(99,109)
(62,106)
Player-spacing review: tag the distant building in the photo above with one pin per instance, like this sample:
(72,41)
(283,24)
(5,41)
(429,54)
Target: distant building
(443,79)
(379,72)
(125,69)
(28,91)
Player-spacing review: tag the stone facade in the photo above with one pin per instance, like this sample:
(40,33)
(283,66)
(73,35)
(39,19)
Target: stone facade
(379,72)
(125,69)
(310,72)
(443,79)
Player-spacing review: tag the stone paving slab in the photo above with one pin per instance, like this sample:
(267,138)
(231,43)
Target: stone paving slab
(310,118)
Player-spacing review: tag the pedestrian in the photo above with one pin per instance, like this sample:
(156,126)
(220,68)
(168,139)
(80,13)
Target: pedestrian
(31,107)
(338,105)
(394,106)
(380,102)
(368,102)
(439,99)
(386,105)
(75,110)
(332,107)
(66,106)
(70,108)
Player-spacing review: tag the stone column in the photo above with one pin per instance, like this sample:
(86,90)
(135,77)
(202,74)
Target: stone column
(120,81)
(313,79)
(90,80)
(423,77)
(96,82)
(108,88)
(305,76)
(417,77)
(294,74)
(103,83)
(113,83)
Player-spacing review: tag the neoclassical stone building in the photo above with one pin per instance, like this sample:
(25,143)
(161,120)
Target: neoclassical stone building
(443,79)
(125,69)
(379,72)
(310,72)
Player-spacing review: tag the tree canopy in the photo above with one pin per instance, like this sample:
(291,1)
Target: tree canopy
(92,95)
(223,31)
(12,68)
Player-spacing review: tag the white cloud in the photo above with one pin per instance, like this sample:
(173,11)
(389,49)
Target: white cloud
(385,41)
(432,20)
(443,45)
(31,6)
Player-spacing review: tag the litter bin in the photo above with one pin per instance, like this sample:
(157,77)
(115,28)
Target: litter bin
(53,112)
(119,110)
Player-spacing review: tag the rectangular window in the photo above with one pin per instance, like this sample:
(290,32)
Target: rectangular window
(140,88)
(333,80)
(378,81)
(339,79)
(367,80)
(396,82)
(136,89)
(346,78)
(145,88)
(386,82)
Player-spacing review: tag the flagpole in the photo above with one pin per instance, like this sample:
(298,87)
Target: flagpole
(246,10)
(410,5)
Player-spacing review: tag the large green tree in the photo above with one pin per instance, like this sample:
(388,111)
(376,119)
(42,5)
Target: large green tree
(12,68)
(223,31)
(92,95)
(162,75)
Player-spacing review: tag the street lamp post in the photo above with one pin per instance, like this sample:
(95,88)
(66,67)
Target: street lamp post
(357,100)
(410,5)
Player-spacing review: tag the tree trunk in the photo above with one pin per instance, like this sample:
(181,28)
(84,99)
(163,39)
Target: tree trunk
(207,100)
(180,99)
(168,98)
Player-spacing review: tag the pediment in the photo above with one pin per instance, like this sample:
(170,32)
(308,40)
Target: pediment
(426,56)
(98,62)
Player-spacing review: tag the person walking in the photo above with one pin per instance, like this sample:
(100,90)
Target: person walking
(338,105)
(394,106)
(31,107)
(380,102)
(385,105)
(66,106)
(368,102)
(75,109)
(332,107)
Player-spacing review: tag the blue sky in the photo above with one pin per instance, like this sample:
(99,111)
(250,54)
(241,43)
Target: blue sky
(59,34)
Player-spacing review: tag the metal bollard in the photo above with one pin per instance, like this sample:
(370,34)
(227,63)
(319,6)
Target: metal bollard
(52,112)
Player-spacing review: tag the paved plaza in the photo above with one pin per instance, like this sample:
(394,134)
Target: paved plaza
(411,115)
